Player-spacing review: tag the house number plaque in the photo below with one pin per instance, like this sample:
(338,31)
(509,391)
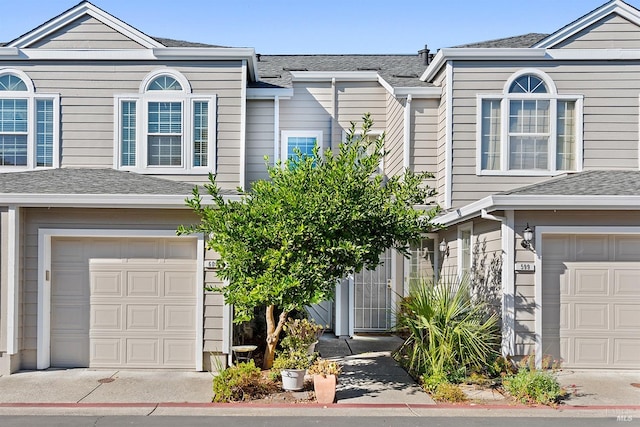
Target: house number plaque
(525,267)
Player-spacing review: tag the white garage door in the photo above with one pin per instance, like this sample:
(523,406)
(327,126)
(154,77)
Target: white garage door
(123,303)
(591,300)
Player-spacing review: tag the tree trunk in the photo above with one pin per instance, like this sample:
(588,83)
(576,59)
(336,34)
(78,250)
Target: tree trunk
(273,335)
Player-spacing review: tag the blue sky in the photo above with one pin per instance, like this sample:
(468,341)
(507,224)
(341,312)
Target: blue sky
(322,26)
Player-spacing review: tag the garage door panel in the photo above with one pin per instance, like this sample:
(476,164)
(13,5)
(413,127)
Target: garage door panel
(174,284)
(69,317)
(69,352)
(177,352)
(626,248)
(591,351)
(143,351)
(627,282)
(556,248)
(143,250)
(589,281)
(106,283)
(590,317)
(143,284)
(627,316)
(142,317)
(106,317)
(592,248)
(179,318)
(180,249)
(627,352)
(106,352)
(66,280)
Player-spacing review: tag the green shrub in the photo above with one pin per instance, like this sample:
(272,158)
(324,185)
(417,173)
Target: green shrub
(447,392)
(533,386)
(243,381)
(447,333)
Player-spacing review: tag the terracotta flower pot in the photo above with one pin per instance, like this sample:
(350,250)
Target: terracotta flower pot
(325,388)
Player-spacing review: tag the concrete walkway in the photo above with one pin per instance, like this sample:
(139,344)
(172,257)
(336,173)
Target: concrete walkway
(370,375)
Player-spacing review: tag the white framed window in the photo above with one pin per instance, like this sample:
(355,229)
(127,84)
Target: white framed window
(165,128)
(372,135)
(303,140)
(29,124)
(529,129)
(465,250)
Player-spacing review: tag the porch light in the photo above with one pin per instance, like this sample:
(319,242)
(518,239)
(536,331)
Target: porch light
(444,247)
(527,236)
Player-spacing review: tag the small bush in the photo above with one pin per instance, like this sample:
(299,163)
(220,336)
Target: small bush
(533,386)
(431,382)
(243,381)
(447,392)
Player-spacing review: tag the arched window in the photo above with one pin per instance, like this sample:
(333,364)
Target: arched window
(165,126)
(28,123)
(529,128)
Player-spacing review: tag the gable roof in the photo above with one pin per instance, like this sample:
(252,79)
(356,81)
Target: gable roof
(588,183)
(524,40)
(618,7)
(397,70)
(93,187)
(84,8)
(588,190)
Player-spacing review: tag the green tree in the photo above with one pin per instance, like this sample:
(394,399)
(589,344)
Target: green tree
(319,218)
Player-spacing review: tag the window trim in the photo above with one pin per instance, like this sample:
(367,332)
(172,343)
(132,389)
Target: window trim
(187,100)
(32,97)
(286,134)
(377,133)
(461,229)
(505,97)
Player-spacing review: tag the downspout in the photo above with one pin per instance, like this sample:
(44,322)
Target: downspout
(334,113)
(276,129)
(508,285)
(243,126)
(406,159)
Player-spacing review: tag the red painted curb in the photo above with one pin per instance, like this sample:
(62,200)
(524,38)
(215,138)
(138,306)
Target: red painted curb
(247,405)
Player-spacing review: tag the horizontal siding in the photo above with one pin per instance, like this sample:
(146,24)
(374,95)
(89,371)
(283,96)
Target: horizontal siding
(260,128)
(309,109)
(611,32)
(441,142)
(610,91)
(139,219)
(87,92)
(354,100)
(424,131)
(394,137)
(525,284)
(86,32)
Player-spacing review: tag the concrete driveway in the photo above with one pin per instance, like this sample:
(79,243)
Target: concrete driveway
(102,386)
(600,388)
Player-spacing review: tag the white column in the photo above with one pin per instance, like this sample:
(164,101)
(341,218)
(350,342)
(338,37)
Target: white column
(13,279)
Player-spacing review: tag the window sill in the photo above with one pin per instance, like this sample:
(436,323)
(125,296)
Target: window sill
(168,171)
(523,173)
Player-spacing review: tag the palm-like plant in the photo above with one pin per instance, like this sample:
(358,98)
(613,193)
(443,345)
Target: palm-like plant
(446,330)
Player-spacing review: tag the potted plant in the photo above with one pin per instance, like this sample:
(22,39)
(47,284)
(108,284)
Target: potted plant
(292,365)
(301,334)
(325,377)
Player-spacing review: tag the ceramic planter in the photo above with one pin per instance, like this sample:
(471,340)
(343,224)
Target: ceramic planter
(292,379)
(325,388)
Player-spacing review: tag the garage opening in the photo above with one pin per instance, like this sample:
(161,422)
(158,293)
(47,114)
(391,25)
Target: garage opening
(591,300)
(123,302)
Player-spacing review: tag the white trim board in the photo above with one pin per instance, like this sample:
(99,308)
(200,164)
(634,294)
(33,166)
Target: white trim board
(43,353)
(540,231)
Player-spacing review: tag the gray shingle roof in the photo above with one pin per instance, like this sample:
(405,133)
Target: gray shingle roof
(397,70)
(524,40)
(90,181)
(182,43)
(589,183)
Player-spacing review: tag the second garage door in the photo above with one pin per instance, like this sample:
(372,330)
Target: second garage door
(591,300)
(123,303)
